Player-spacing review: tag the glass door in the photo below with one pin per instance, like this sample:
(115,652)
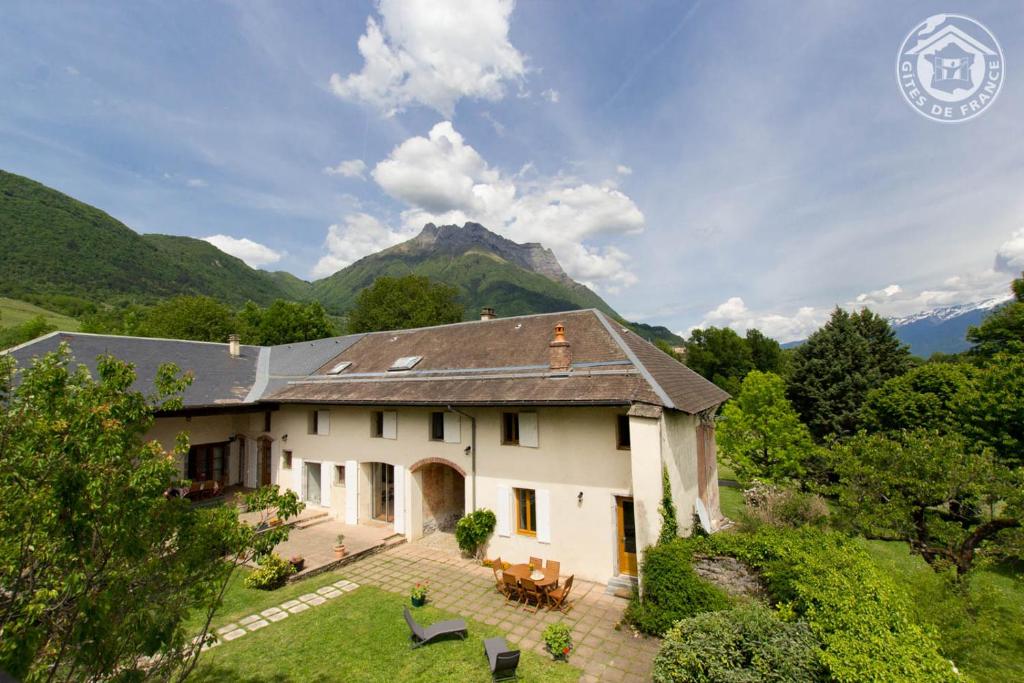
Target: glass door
(383,492)
(313,482)
(627,536)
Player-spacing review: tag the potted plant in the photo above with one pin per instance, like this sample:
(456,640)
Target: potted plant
(339,546)
(298,561)
(419,594)
(558,641)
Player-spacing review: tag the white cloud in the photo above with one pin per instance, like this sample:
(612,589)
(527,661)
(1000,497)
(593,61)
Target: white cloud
(71,71)
(735,314)
(361,234)
(350,168)
(1010,255)
(444,180)
(622,169)
(433,53)
(196,182)
(551,95)
(255,254)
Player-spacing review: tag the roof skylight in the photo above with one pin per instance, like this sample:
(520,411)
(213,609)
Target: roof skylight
(339,367)
(405,363)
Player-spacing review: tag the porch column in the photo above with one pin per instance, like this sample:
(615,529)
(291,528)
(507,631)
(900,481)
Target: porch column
(414,507)
(353,476)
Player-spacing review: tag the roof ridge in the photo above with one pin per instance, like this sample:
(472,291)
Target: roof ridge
(631,355)
(478,322)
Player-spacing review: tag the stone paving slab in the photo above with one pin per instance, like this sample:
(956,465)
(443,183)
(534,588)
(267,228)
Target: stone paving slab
(278,616)
(301,607)
(226,629)
(237,633)
(289,604)
(257,625)
(248,620)
(270,610)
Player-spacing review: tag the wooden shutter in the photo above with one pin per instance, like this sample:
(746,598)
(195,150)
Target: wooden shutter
(323,422)
(528,430)
(543,512)
(452,428)
(502,511)
(399,499)
(351,491)
(390,424)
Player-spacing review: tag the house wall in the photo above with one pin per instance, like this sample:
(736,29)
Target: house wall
(679,449)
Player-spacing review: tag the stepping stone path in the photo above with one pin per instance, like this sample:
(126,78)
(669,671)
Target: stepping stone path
(255,622)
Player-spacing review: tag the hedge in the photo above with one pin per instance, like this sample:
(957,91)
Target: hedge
(671,590)
(862,618)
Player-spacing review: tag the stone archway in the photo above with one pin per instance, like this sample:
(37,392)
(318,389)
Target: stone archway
(443,485)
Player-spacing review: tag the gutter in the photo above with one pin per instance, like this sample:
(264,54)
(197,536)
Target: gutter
(472,445)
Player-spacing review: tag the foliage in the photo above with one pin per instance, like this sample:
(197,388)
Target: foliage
(359,637)
(1002,330)
(14,312)
(404,302)
(925,487)
(766,353)
(89,543)
(284,322)
(420,590)
(558,638)
(782,506)
(473,530)
(838,365)
(52,245)
(927,397)
(671,590)
(862,619)
(667,510)
(719,355)
(26,331)
(993,408)
(742,644)
(760,435)
(200,318)
(272,572)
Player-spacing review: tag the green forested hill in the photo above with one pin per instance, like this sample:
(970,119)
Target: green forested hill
(51,244)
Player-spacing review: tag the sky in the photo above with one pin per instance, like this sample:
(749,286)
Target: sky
(746,164)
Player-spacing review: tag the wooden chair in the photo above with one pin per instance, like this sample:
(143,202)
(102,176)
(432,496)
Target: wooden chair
(498,583)
(512,592)
(537,562)
(531,594)
(193,490)
(554,566)
(559,597)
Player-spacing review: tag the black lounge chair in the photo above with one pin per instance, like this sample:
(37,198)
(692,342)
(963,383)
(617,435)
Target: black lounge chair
(422,636)
(503,661)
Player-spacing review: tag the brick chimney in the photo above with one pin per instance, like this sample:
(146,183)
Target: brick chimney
(234,345)
(560,350)
(487,313)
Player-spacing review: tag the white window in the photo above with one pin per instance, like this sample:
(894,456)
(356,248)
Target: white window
(405,363)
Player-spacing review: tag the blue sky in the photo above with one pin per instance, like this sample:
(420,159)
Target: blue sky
(740,163)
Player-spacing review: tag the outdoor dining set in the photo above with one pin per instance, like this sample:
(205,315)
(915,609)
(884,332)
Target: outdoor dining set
(533,585)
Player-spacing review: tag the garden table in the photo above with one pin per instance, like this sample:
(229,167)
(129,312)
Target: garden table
(548,578)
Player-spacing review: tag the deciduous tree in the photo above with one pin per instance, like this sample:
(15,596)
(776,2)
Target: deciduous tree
(284,322)
(1002,330)
(930,396)
(392,303)
(200,318)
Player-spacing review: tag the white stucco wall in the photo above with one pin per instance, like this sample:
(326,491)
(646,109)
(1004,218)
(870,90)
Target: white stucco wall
(679,451)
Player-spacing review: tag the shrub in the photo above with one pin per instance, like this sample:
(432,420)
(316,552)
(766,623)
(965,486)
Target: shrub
(667,510)
(862,618)
(781,506)
(671,590)
(558,639)
(743,644)
(473,530)
(271,573)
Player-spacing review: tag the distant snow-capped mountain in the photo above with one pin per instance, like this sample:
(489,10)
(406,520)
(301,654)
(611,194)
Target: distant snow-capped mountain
(942,329)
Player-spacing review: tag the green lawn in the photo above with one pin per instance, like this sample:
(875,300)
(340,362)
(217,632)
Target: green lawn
(982,633)
(360,636)
(14,312)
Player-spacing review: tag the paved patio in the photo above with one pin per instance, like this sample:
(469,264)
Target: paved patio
(464,587)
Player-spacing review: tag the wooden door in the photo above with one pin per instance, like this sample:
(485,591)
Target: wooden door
(627,535)
(264,458)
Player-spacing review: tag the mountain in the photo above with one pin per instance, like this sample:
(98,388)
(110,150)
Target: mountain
(54,245)
(943,329)
(487,269)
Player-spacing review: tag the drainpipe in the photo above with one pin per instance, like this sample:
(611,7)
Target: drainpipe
(472,445)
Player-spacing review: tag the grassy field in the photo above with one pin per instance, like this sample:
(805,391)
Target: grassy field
(14,312)
(360,636)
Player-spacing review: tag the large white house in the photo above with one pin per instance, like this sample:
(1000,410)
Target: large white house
(559,423)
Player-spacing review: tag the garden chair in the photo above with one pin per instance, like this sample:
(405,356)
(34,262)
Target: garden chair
(503,661)
(537,562)
(512,592)
(555,567)
(193,490)
(499,584)
(531,594)
(422,636)
(558,598)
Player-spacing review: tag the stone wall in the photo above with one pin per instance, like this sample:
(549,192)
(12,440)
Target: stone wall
(444,497)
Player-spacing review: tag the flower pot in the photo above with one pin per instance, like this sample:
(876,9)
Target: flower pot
(561,656)
(298,563)
(339,551)
(419,602)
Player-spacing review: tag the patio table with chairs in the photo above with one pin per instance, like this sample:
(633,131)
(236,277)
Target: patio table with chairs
(533,584)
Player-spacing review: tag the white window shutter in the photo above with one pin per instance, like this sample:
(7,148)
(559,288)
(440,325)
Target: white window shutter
(299,479)
(351,492)
(390,424)
(326,481)
(452,428)
(502,511)
(543,512)
(250,461)
(528,431)
(275,460)
(323,422)
(399,499)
